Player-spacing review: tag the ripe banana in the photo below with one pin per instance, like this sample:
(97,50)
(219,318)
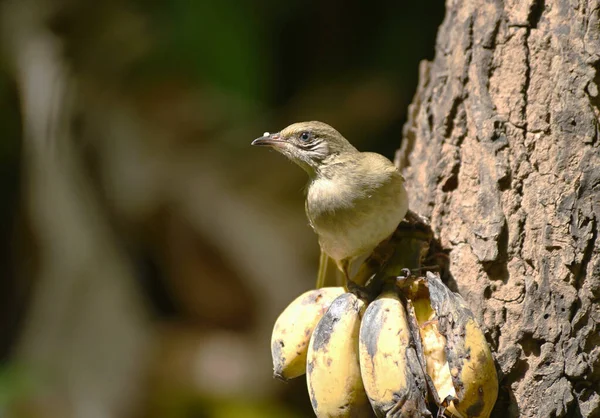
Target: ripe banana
(457,357)
(293,329)
(391,372)
(333,371)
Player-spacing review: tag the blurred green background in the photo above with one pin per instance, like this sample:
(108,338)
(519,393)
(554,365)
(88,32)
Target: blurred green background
(146,247)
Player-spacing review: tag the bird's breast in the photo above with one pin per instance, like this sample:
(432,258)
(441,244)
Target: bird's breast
(351,219)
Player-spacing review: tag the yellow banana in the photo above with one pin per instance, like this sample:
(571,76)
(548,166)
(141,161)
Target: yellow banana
(393,378)
(293,329)
(333,371)
(457,357)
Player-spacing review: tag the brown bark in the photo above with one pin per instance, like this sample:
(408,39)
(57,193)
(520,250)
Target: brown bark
(501,152)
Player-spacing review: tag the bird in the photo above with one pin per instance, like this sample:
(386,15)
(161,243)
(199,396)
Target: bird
(354,200)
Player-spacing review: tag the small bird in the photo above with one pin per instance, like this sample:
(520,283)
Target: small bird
(354,201)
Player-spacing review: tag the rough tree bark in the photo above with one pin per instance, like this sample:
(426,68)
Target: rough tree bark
(501,152)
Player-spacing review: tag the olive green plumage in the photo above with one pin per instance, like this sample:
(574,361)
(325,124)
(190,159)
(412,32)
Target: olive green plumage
(354,199)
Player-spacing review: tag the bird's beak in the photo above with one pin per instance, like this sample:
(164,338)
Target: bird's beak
(269,140)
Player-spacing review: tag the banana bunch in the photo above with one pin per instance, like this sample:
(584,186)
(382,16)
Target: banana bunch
(415,348)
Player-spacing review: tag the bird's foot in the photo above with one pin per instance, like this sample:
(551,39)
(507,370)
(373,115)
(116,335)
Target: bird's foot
(415,218)
(405,273)
(363,292)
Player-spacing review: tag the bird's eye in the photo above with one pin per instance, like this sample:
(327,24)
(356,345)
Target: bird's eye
(305,136)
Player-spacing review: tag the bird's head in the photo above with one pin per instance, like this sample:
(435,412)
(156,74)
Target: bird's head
(308,144)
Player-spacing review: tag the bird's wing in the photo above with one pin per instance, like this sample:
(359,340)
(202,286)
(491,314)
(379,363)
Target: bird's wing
(328,274)
(308,215)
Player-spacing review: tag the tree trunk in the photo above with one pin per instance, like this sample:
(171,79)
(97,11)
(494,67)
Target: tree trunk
(501,152)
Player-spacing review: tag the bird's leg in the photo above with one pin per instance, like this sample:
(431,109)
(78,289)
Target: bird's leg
(344,266)
(329,273)
(322,273)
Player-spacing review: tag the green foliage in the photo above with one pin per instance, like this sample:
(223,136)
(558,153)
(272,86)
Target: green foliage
(15,383)
(217,43)
(181,404)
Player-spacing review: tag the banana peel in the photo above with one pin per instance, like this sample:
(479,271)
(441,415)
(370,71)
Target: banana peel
(452,347)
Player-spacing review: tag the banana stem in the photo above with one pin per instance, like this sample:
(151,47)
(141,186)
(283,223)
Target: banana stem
(406,248)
